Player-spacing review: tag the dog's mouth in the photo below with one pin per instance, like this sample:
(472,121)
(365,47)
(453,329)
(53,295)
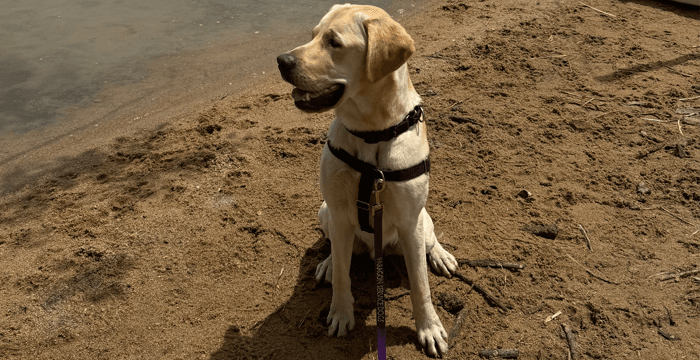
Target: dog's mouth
(320,100)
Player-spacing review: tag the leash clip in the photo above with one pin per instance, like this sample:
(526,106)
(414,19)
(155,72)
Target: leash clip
(379,186)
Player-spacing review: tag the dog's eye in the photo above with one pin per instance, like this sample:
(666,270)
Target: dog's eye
(334,43)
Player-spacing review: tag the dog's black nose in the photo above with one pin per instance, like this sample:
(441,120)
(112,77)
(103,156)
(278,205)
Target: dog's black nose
(286,62)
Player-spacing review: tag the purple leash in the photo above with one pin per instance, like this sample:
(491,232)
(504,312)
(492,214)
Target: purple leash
(379,185)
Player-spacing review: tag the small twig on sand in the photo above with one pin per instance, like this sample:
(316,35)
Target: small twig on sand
(586,103)
(552,317)
(457,103)
(481,290)
(670,213)
(500,353)
(690,98)
(592,273)
(655,120)
(457,327)
(600,11)
(644,153)
(668,336)
(491,263)
(680,275)
(606,113)
(571,340)
(585,234)
(675,216)
(696,231)
(660,274)
(278,278)
(552,56)
(676,71)
(679,126)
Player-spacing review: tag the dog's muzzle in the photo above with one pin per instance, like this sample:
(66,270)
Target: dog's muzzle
(308,100)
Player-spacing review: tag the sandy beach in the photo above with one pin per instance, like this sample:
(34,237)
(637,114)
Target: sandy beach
(564,137)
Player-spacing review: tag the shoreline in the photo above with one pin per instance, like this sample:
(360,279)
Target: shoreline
(96,126)
(113,111)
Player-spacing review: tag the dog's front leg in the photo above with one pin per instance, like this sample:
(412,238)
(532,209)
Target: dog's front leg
(340,316)
(431,334)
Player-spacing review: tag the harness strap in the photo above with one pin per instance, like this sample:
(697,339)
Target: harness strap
(369,173)
(373,137)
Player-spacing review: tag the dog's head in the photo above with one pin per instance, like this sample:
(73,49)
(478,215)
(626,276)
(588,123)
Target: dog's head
(352,47)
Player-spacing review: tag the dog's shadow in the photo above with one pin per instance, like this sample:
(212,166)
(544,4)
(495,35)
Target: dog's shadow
(297,330)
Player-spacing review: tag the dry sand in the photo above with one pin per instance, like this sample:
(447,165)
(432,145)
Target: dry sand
(198,237)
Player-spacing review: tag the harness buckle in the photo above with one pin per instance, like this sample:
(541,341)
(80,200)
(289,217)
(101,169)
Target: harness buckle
(363,205)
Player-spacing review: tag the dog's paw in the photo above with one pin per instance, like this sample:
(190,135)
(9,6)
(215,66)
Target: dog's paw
(340,318)
(433,338)
(324,271)
(442,261)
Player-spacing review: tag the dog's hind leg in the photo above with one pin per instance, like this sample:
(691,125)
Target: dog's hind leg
(324,270)
(439,259)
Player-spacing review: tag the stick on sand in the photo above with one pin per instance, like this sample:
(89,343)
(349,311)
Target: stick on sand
(585,234)
(592,273)
(690,98)
(680,275)
(491,263)
(500,353)
(674,215)
(600,11)
(483,291)
(571,340)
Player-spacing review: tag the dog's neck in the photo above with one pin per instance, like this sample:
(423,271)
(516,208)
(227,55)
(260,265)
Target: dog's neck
(381,104)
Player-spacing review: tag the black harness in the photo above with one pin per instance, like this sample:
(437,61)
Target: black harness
(370,174)
(373,181)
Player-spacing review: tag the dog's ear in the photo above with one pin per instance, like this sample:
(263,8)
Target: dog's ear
(388,46)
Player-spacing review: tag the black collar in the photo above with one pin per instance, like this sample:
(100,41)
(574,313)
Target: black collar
(373,137)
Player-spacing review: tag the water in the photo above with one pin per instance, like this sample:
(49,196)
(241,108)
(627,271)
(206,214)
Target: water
(59,57)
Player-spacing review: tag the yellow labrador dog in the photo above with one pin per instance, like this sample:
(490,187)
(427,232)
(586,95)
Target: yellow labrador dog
(356,65)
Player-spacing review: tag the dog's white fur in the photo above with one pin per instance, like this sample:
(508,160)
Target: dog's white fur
(371,62)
